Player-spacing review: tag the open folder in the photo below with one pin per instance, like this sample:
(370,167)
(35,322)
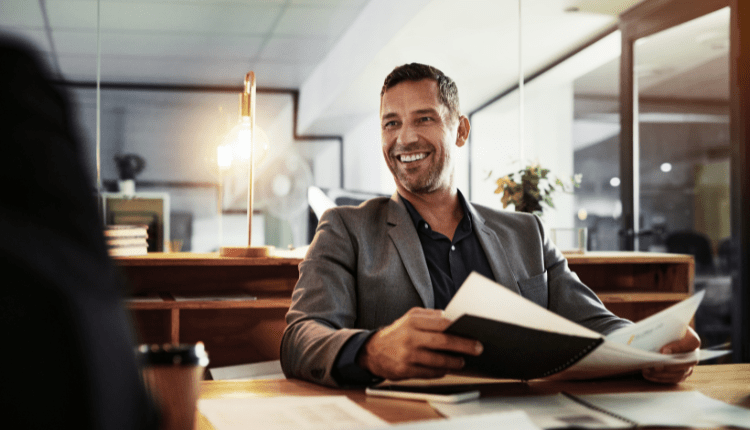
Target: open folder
(523,340)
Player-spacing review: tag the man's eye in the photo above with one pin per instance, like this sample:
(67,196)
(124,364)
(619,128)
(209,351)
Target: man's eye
(425,119)
(389,124)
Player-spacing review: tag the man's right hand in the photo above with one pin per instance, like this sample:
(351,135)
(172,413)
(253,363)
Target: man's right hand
(414,346)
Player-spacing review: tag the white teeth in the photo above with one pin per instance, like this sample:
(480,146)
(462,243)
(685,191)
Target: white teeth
(413,157)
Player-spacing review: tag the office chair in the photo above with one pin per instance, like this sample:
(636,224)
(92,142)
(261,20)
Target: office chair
(695,244)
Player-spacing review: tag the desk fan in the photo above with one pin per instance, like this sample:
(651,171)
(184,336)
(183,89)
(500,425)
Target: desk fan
(281,187)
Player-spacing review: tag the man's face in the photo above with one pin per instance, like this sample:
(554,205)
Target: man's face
(419,137)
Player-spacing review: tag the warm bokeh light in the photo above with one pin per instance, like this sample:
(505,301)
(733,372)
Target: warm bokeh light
(583,214)
(224,156)
(235,148)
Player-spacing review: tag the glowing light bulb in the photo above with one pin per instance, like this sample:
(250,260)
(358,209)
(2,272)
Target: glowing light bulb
(224,156)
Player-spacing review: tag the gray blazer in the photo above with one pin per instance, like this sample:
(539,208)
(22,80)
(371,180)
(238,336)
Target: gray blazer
(365,268)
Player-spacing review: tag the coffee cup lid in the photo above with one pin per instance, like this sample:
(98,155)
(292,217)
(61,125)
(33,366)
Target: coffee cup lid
(182,354)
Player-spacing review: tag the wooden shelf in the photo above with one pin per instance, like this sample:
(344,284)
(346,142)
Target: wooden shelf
(184,272)
(635,285)
(175,300)
(265,303)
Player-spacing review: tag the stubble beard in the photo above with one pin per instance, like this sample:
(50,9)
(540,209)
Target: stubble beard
(425,184)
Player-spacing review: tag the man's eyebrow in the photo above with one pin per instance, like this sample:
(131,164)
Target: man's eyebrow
(425,111)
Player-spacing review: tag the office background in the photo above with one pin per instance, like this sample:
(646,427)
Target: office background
(170,71)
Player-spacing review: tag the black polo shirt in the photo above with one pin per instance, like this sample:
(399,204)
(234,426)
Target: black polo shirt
(450,262)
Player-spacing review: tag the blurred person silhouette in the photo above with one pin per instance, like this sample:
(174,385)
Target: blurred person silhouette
(68,349)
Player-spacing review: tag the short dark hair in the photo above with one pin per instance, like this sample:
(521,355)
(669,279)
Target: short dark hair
(447,90)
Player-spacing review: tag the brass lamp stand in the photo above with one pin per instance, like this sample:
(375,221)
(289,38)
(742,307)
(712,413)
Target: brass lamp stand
(247,119)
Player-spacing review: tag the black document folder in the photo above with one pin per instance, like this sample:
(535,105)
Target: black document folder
(515,352)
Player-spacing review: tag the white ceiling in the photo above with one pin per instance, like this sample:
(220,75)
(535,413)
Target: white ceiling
(336,52)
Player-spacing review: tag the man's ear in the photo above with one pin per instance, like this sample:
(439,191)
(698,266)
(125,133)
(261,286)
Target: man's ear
(463,131)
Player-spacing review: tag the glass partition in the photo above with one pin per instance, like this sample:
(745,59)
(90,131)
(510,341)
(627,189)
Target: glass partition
(681,78)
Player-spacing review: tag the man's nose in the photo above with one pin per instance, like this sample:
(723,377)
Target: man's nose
(407,134)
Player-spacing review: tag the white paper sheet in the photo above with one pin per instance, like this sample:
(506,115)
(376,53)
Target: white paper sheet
(613,359)
(263,370)
(651,333)
(481,297)
(515,420)
(553,411)
(681,408)
(282,413)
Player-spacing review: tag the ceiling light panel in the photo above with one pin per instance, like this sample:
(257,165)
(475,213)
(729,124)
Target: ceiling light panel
(20,13)
(160,45)
(155,70)
(295,49)
(308,21)
(188,18)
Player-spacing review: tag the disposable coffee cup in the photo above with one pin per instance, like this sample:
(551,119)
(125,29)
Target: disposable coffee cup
(172,374)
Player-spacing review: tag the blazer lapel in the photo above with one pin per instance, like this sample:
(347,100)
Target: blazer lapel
(405,238)
(494,249)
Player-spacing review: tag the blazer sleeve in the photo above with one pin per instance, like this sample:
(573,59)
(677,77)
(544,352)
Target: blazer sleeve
(571,298)
(324,304)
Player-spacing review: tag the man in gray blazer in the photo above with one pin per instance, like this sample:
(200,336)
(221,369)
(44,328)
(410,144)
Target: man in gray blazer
(368,302)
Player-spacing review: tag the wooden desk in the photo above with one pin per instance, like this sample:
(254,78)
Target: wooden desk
(171,302)
(727,382)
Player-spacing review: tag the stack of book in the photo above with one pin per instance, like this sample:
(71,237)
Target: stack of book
(126,240)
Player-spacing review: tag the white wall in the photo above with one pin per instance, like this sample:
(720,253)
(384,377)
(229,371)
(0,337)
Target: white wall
(547,140)
(364,166)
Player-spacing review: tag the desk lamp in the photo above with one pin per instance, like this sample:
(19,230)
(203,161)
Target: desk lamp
(240,144)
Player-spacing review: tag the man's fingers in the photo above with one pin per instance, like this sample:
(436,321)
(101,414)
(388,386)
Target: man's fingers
(671,374)
(689,342)
(436,360)
(451,343)
(433,321)
(667,376)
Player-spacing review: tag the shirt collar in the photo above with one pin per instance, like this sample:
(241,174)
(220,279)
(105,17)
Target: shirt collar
(417,219)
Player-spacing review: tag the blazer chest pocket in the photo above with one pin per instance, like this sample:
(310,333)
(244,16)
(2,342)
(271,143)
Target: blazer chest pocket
(535,289)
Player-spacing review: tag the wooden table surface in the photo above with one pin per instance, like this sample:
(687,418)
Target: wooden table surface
(727,382)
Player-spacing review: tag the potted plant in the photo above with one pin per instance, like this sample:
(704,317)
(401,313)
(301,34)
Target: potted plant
(528,188)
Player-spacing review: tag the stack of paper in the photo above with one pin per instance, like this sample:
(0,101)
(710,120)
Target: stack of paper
(126,240)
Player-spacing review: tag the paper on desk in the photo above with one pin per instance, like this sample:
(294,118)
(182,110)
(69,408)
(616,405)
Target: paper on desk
(678,409)
(552,411)
(515,420)
(277,413)
(263,370)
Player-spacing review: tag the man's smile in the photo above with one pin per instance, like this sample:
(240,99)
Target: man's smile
(409,158)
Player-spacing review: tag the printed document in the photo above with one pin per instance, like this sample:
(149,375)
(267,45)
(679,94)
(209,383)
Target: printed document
(287,412)
(548,412)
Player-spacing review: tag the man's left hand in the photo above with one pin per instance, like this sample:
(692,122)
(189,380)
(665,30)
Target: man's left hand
(672,374)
